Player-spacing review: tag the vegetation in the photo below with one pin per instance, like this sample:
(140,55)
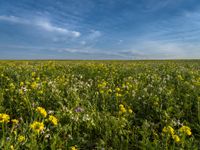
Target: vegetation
(105,105)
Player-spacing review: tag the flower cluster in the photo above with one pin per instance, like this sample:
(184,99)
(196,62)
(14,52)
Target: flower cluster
(4,118)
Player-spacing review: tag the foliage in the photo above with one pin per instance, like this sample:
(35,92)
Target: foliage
(100,105)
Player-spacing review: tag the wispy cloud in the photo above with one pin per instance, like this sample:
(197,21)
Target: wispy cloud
(41,23)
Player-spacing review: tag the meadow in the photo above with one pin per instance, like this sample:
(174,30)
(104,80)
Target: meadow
(100,105)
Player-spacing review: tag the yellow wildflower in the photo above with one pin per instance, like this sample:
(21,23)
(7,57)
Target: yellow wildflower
(37,126)
(4,118)
(21,138)
(118,95)
(34,85)
(186,130)
(53,120)
(42,111)
(12,147)
(168,129)
(130,111)
(74,148)
(15,121)
(117,89)
(122,108)
(176,138)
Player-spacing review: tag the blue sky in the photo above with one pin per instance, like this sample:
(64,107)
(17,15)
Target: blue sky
(99,29)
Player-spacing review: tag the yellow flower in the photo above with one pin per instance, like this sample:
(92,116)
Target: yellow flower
(21,138)
(169,130)
(74,148)
(33,74)
(176,138)
(122,109)
(186,130)
(117,89)
(118,95)
(42,111)
(15,121)
(53,120)
(130,111)
(21,83)
(34,85)
(37,126)
(12,147)
(4,118)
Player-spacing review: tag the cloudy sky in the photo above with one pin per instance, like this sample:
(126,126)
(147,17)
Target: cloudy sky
(99,29)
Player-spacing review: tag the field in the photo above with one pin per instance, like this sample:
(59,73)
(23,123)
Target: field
(103,105)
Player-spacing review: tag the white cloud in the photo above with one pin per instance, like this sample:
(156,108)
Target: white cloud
(44,24)
(94,34)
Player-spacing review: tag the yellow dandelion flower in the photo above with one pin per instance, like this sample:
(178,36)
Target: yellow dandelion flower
(37,126)
(53,120)
(186,130)
(21,138)
(42,111)
(4,118)
(15,121)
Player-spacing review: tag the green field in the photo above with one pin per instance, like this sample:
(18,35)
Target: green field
(103,105)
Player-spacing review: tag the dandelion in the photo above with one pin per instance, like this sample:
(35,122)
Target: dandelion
(53,120)
(21,138)
(42,111)
(186,130)
(4,118)
(37,126)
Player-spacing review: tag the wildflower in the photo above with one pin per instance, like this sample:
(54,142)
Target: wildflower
(186,130)
(74,148)
(4,118)
(33,74)
(15,121)
(21,83)
(42,111)
(168,129)
(117,89)
(21,138)
(176,138)
(122,109)
(34,85)
(37,126)
(12,147)
(12,86)
(53,120)
(118,95)
(130,111)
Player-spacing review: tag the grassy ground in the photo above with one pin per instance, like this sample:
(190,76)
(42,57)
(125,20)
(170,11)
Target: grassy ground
(107,105)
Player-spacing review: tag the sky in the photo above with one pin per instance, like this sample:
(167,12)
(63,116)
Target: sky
(99,29)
